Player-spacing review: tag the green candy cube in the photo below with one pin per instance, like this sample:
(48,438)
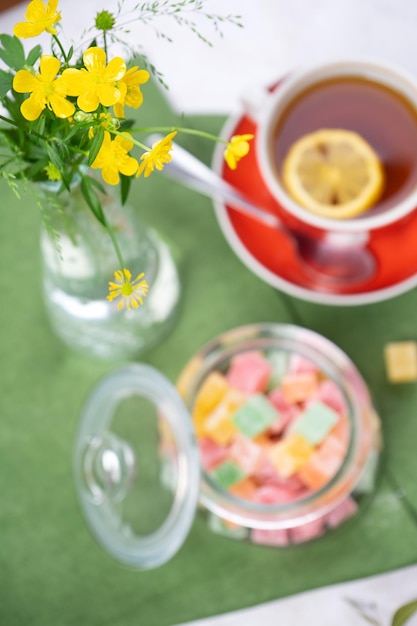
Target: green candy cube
(315,423)
(227,474)
(217,525)
(255,416)
(279,361)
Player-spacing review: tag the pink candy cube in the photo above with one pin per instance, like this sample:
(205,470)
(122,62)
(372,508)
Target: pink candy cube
(329,393)
(287,412)
(249,372)
(310,530)
(211,453)
(347,508)
(278,537)
(273,494)
(247,454)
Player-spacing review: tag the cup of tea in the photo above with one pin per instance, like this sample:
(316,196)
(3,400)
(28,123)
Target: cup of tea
(374,102)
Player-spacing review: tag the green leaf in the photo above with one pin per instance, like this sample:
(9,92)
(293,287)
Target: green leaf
(96,144)
(126,181)
(92,199)
(34,55)
(12,52)
(55,157)
(95,183)
(33,170)
(6,81)
(403,614)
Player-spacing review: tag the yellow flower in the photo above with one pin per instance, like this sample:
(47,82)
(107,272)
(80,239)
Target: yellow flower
(130,291)
(131,94)
(52,172)
(113,158)
(96,83)
(237,148)
(40,18)
(46,90)
(157,156)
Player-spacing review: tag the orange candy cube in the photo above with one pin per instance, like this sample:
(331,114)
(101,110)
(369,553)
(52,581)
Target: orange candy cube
(299,387)
(323,465)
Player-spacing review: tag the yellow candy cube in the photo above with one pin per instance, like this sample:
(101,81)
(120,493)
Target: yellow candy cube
(209,395)
(401,361)
(219,425)
(290,454)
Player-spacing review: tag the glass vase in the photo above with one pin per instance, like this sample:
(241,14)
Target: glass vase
(79,260)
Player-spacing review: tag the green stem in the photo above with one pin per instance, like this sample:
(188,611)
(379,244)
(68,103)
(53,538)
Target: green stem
(170,129)
(60,46)
(153,129)
(116,245)
(6,119)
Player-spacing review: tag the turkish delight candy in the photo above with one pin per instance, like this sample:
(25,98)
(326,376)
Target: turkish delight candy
(249,372)
(255,415)
(276,537)
(401,361)
(273,429)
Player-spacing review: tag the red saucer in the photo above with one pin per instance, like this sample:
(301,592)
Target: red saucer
(271,255)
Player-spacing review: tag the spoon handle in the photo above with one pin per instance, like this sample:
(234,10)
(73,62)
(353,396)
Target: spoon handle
(195,174)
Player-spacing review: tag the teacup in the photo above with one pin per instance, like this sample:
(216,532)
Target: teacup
(378,124)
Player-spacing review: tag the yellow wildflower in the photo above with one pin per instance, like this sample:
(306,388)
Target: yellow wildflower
(96,83)
(157,156)
(52,172)
(237,148)
(130,291)
(131,94)
(46,90)
(113,158)
(40,17)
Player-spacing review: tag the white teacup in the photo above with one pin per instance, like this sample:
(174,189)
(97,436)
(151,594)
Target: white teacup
(268,112)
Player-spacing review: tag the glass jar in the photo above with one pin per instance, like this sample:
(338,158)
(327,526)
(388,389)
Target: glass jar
(138,462)
(307,513)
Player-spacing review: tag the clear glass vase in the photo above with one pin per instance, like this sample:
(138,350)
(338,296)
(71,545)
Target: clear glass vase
(78,262)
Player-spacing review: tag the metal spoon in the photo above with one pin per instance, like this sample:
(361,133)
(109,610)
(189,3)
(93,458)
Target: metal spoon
(338,258)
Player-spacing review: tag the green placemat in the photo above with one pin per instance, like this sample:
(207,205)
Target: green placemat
(51,570)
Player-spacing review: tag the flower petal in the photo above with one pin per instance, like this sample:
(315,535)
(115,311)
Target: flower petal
(128,166)
(74,81)
(25,82)
(25,30)
(88,101)
(61,106)
(49,66)
(93,58)
(125,142)
(32,107)
(115,70)
(110,174)
(108,94)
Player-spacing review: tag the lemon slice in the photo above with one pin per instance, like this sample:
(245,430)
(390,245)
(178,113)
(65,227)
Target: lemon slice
(333,173)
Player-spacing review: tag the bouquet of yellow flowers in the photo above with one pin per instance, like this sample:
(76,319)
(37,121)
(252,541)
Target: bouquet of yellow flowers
(64,114)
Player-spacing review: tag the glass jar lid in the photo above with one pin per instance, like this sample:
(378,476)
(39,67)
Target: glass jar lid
(137,467)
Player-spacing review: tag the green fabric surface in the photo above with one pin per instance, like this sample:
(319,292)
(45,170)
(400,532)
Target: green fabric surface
(51,569)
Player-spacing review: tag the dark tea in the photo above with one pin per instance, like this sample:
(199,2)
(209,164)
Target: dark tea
(382,116)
